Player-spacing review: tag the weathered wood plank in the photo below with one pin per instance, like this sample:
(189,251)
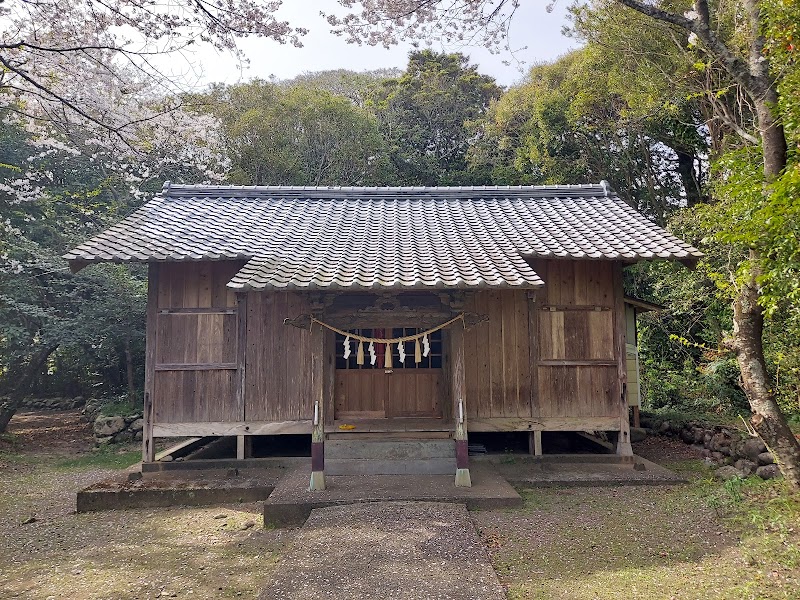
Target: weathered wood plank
(151,341)
(232,428)
(545,424)
(624,441)
(195,366)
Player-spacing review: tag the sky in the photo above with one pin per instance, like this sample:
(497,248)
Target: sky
(535,32)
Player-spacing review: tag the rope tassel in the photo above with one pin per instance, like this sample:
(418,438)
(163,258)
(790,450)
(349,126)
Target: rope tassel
(360,353)
(387,357)
(417,351)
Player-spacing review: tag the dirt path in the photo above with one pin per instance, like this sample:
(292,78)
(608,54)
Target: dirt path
(397,550)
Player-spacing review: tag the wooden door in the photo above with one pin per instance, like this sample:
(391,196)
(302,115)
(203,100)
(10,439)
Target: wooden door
(414,393)
(379,393)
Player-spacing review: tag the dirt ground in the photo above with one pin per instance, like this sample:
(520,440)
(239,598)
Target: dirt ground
(701,540)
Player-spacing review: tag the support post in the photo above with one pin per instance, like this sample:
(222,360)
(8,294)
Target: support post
(624,439)
(151,326)
(318,403)
(459,390)
(535,443)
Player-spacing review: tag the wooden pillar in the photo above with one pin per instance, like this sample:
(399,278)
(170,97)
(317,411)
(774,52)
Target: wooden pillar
(535,443)
(459,396)
(151,326)
(624,439)
(318,406)
(243,443)
(637,422)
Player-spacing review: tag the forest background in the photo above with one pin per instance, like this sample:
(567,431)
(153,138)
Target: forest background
(640,104)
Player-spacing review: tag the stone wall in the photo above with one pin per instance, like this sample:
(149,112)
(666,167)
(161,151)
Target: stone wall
(732,452)
(56,403)
(118,429)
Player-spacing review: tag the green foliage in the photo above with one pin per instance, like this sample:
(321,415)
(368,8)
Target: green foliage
(425,115)
(298,136)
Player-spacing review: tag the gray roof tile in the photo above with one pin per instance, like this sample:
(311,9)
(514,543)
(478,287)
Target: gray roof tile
(328,238)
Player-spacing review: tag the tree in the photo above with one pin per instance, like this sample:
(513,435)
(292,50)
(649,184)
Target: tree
(298,136)
(64,57)
(425,113)
(738,51)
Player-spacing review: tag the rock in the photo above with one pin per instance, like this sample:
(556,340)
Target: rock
(132,418)
(664,427)
(103,440)
(221,516)
(706,438)
(697,435)
(123,437)
(167,458)
(705,453)
(138,436)
(105,426)
(768,471)
(30,520)
(752,448)
(727,473)
(687,435)
(766,458)
(136,425)
(248,524)
(747,467)
(718,441)
(638,434)
(134,476)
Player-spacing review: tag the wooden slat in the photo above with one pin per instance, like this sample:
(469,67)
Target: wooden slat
(578,363)
(545,424)
(623,444)
(495,353)
(533,359)
(231,428)
(214,310)
(196,367)
(151,341)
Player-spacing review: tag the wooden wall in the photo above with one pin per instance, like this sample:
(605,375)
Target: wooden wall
(278,358)
(548,353)
(195,353)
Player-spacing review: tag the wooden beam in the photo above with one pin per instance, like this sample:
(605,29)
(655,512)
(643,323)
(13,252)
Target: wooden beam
(241,447)
(459,396)
(318,406)
(187,445)
(624,439)
(198,311)
(533,340)
(578,363)
(544,424)
(196,367)
(148,448)
(221,429)
(535,443)
(241,353)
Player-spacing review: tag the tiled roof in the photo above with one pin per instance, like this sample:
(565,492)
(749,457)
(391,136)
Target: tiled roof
(317,237)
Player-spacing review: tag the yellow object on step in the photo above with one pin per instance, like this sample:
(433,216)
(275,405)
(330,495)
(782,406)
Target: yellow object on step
(347,427)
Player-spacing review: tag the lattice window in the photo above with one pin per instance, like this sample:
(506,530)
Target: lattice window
(432,361)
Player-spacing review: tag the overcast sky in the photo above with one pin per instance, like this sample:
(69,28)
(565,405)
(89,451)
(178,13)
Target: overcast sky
(533,27)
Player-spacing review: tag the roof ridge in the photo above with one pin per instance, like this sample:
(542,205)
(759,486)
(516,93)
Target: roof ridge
(585,190)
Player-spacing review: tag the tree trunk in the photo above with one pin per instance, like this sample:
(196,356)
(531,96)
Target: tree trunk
(767,419)
(691,186)
(14,399)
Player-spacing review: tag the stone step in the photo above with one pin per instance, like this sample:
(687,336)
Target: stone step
(375,466)
(392,450)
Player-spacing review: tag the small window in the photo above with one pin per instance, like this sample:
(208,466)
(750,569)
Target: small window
(432,361)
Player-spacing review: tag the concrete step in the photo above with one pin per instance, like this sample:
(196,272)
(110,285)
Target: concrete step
(367,466)
(390,449)
(390,457)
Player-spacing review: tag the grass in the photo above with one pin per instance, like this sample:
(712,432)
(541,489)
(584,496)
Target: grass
(101,458)
(708,539)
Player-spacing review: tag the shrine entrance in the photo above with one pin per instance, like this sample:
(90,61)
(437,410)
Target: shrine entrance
(375,390)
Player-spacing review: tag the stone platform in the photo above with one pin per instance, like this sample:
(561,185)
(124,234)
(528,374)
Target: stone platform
(291,503)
